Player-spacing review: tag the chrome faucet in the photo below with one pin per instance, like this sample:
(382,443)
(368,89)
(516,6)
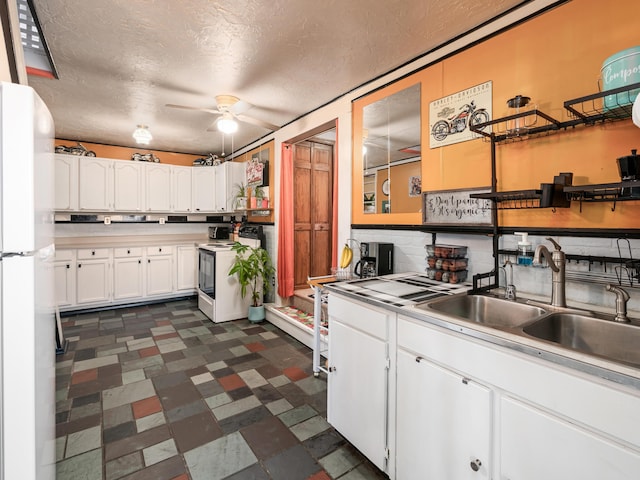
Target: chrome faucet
(510,288)
(621,303)
(556,261)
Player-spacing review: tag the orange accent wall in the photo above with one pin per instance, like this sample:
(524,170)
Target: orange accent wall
(551,58)
(124,153)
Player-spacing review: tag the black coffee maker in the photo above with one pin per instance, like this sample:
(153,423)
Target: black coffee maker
(629,168)
(375,259)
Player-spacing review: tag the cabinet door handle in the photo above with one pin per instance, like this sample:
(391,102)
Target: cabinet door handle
(139,261)
(128,252)
(68,266)
(79,265)
(93,252)
(475,465)
(418,359)
(160,250)
(333,369)
(148,260)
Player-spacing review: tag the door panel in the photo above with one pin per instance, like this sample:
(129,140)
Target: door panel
(313,190)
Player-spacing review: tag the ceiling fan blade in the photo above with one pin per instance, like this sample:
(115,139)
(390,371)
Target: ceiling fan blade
(185,107)
(259,123)
(240,107)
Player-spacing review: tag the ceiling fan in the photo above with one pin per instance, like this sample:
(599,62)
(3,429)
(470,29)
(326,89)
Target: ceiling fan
(229,108)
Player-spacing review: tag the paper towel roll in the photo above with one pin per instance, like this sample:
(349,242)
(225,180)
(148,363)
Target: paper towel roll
(636,111)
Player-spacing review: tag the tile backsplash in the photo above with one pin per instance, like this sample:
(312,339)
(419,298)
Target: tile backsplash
(410,255)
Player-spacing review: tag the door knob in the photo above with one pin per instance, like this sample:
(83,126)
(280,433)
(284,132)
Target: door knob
(475,465)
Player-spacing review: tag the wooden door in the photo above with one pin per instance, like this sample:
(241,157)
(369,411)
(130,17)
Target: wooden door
(313,207)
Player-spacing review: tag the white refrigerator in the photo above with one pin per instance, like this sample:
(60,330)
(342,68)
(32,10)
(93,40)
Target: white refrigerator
(27,321)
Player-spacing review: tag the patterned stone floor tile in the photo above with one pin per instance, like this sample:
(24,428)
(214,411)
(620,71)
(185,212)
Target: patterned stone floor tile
(159,392)
(220,458)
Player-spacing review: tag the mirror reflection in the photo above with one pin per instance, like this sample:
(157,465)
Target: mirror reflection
(391,153)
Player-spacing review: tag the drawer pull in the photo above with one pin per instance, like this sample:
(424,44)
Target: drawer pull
(68,266)
(160,250)
(93,252)
(139,261)
(128,252)
(79,265)
(418,359)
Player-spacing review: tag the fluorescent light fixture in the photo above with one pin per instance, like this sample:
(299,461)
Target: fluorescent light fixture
(227,124)
(142,135)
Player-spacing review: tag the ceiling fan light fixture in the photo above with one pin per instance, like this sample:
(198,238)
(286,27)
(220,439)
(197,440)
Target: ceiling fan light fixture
(227,124)
(142,135)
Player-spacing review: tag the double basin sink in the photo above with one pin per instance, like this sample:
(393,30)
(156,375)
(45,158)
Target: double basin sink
(581,331)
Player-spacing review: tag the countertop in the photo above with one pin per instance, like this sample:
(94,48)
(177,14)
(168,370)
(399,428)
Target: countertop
(575,360)
(129,241)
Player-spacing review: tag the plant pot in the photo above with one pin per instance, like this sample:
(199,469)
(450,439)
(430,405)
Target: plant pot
(265,203)
(241,203)
(254,202)
(256,314)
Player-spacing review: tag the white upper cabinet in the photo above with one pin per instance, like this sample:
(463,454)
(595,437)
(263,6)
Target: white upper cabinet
(203,182)
(159,187)
(95,184)
(229,175)
(181,188)
(66,182)
(129,186)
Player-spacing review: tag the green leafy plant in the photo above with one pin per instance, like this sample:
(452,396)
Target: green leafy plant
(254,270)
(241,196)
(258,193)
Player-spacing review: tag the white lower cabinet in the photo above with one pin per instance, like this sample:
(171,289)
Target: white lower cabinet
(127,273)
(96,277)
(443,422)
(159,268)
(535,444)
(451,406)
(186,267)
(93,282)
(464,403)
(64,268)
(358,382)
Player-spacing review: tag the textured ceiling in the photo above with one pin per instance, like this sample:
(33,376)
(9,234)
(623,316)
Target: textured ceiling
(121,61)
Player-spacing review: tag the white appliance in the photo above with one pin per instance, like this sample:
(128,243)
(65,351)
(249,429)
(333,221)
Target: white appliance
(218,292)
(27,319)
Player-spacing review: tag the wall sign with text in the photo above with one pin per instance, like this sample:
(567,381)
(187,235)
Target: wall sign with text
(455,207)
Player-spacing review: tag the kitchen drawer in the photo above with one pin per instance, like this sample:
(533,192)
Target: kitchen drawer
(159,251)
(92,253)
(373,321)
(64,255)
(124,252)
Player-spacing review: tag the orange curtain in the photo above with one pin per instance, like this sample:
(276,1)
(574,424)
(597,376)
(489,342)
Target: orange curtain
(285,225)
(334,220)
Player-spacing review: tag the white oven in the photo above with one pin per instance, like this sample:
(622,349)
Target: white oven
(218,292)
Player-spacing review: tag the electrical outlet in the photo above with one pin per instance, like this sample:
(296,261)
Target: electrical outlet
(107,220)
(161,220)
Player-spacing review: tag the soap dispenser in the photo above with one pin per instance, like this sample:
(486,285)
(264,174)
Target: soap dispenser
(525,249)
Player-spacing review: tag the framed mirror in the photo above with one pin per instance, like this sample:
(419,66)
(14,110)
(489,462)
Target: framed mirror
(391,153)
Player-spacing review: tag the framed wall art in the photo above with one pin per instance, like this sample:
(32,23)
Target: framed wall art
(456,207)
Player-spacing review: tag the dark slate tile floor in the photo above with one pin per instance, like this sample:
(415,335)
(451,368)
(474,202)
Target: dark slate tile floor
(159,392)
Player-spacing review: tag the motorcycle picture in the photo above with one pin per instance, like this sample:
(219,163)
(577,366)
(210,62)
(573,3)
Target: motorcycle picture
(468,115)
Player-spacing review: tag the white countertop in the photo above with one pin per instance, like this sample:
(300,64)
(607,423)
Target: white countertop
(129,241)
(590,364)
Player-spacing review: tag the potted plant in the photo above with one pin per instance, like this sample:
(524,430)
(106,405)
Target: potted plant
(241,196)
(254,270)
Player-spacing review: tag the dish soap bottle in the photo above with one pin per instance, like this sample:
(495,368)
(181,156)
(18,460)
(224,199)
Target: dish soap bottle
(525,249)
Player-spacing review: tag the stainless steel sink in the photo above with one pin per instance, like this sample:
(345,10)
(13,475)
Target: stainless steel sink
(615,341)
(490,311)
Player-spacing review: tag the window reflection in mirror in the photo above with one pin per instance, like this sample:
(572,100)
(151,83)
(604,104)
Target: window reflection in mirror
(391,153)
